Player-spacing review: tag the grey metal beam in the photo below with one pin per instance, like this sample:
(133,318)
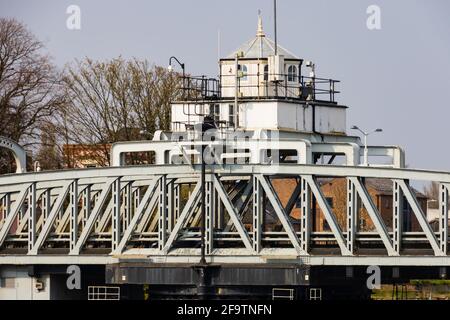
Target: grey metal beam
(232,212)
(306,219)
(412,200)
(293,198)
(397,222)
(443,216)
(184,216)
(32,215)
(209,219)
(50,219)
(149,194)
(73,213)
(241,204)
(375,216)
(162,210)
(258,210)
(281,214)
(102,174)
(229,256)
(329,216)
(352,215)
(93,217)
(116,229)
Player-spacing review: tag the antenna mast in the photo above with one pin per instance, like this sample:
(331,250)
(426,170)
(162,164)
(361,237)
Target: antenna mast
(275,24)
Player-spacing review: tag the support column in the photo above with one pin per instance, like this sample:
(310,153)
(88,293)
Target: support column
(116,227)
(136,198)
(73,194)
(127,206)
(86,210)
(176,202)
(305,221)
(6,205)
(32,216)
(258,210)
(170,205)
(397,221)
(46,203)
(162,209)
(209,221)
(352,215)
(443,218)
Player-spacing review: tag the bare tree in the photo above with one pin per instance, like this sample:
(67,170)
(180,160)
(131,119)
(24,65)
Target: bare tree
(28,84)
(114,101)
(49,154)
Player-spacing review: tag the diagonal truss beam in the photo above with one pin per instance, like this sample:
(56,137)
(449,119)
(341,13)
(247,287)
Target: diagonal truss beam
(184,216)
(281,213)
(294,197)
(374,215)
(232,212)
(329,216)
(418,212)
(15,208)
(242,203)
(93,217)
(51,219)
(149,194)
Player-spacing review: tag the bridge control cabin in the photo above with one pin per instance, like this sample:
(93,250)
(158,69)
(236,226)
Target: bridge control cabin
(262,86)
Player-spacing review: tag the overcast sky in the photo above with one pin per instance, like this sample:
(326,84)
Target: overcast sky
(396,78)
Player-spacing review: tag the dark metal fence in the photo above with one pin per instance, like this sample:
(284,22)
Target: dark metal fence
(259,86)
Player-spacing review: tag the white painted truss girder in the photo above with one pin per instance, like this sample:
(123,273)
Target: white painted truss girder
(114,211)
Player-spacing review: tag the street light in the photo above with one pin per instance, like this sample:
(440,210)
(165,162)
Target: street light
(170,67)
(366,134)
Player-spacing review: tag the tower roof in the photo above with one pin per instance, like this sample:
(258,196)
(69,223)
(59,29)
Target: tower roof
(261,47)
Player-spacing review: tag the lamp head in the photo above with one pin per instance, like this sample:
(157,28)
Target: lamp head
(170,68)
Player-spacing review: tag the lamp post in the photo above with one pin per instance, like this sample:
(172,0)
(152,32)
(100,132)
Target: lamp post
(366,150)
(182,65)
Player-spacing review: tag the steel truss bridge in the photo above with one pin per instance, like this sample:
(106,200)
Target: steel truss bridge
(111,215)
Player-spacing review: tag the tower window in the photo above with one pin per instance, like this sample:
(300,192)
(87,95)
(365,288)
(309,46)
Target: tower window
(292,73)
(243,69)
(214,112)
(266,72)
(231,114)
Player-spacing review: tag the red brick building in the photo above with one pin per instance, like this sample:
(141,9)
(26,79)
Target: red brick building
(334,190)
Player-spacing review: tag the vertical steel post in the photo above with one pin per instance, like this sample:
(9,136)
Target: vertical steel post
(73,194)
(6,205)
(46,203)
(86,205)
(170,205)
(176,202)
(202,205)
(162,209)
(136,199)
(209,220)
(127,205)
(443,218)
(258,205)
(305,226)
(116,227)
(397,221)
(32,216)
(352,214)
